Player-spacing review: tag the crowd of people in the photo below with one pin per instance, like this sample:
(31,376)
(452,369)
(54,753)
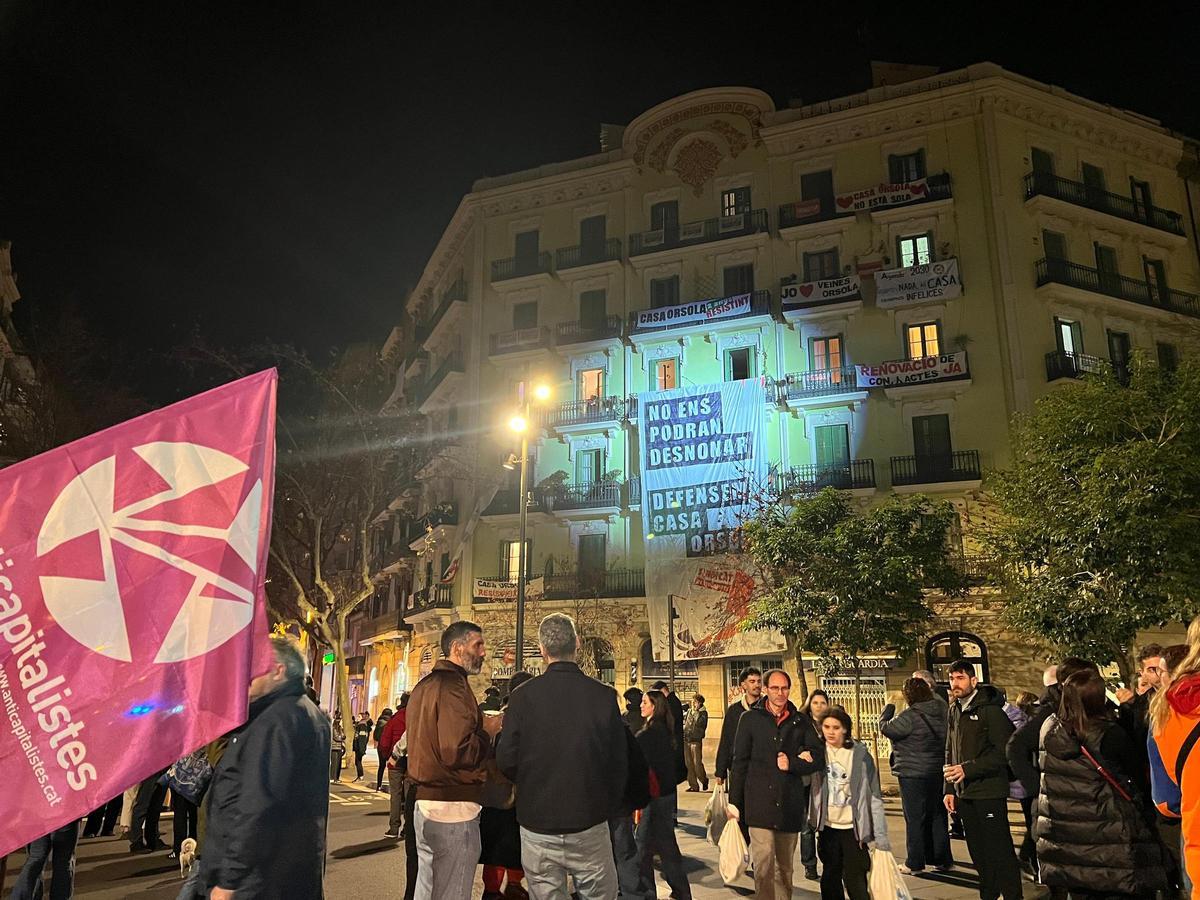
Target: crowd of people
(1099,780)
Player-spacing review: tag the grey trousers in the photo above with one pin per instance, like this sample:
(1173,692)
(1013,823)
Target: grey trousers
(447,853)
(396,799)
(586,856)
(773,854)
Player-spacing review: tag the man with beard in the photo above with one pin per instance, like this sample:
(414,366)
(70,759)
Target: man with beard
(448,745)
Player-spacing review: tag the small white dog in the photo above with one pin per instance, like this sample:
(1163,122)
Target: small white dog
(187,856)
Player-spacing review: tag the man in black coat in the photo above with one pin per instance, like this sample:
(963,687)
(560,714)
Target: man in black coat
(269,798)
(750,680)
(976,775)
(564,747)
(775,748)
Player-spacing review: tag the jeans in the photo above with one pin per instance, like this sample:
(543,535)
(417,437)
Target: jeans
(448,853)
(925,821)
(625,855)
(656,834)
(587,856)
(989,841)
(846,864)
(772,853)
(59,847)
(410,843)
(694,759)
(185,814)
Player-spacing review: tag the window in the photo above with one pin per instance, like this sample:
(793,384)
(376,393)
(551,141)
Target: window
(592,555)
(824,353)
(665,375)
(524,315)
(1054,245)
(931,438)
(733,668)
(1041,160)
(592,308)
(1108,274)
(738,280)
(591,384)
(1068,335)
(526,245)
(1119,351)
(923,339)
(1093,179)
(428,573)
(739,364)
(735,201)
(592,235)
(664,215)
(1156,279)
(906,167)
(832,444)
(664,291)
(1168,358)
(510,559)
(443,565)
(589,466)
(1141,197)
(818,186)
(822,265)
(943,649)
(914,250)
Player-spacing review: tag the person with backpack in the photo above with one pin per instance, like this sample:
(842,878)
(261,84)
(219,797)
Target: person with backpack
(1095,833)
(188,781)
(380,724)
(918,736)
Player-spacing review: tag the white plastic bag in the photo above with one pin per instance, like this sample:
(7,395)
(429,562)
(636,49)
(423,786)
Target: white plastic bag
(732,862)
(886,881)
(714,814)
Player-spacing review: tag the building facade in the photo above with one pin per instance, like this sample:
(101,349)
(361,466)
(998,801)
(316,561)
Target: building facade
(902,270)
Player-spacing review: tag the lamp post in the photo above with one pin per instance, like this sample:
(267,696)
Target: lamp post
(671,641)
(520,424)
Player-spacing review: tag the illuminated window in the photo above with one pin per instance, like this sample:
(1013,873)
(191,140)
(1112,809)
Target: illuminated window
(923,340)
(510,559)
(904,167)
(665,375)
(735,201)
(825,353)
(591,384)
(913,250)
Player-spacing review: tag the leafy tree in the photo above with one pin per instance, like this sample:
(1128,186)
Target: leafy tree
(1100,512)
(840,584)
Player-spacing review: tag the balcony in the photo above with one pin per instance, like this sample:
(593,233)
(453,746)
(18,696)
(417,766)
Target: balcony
(707,315)
(820,387)
(939,469)
(455,298)
(585,332)
(431,598)
(428,394)
(1143,293)
(721,228)
(823,298)
(855,475)
(588,254)
(608,584)
(584,415)
(504,504)
(1065,364)
(586,499)
(521,266)
(807,212)
(524,341)
(1047,184)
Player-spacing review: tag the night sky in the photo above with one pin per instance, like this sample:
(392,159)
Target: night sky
(278,171)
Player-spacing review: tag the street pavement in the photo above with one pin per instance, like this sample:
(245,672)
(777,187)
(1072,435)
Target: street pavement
(363,863)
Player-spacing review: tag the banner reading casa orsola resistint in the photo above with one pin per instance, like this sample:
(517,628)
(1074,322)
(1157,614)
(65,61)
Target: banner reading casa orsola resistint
(898,372)
(916,284)
(703,458)
(132,614)
(495,589)
(698,311)
(812,293)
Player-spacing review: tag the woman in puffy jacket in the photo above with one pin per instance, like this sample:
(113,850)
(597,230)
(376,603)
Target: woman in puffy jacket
(918,737)
(1095,832)
(656,830)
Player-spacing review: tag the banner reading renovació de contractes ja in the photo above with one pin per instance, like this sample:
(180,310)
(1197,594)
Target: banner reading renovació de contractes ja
(703,458)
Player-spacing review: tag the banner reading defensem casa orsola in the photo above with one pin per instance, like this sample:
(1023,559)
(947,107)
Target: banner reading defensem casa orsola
(132,565)
(703,456)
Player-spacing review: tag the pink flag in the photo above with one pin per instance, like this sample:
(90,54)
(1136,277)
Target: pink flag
(132,613)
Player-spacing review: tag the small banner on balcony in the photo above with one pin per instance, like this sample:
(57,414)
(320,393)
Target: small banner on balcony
(703,461)
(814,293)
(900,372)
(496,589)
(698,311)
(881,195)
(917,284)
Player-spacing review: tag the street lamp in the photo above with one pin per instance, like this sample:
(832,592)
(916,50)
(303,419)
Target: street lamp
(519,424)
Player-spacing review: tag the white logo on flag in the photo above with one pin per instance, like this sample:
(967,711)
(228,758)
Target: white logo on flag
(92,611)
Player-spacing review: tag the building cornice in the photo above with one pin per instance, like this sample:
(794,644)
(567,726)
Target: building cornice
(447,251)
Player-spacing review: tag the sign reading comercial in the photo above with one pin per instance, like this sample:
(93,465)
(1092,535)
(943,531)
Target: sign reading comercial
(814,293)
(900,372)
(916,284)
(698,311)
(881,195)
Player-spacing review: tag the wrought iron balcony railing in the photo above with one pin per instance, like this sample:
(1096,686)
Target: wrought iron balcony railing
(1065,364)
(521,340)
(606,584)
(519,266)
(583,412)
(580,331)
(856,474)
(452,363)
(1145,293)
(958,465)
(587,254)
(702,232)
(1047,184)
(818,383)
(434,596)
(586,495)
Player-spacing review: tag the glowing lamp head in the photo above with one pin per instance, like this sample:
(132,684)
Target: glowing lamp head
(518,424)
(541,392)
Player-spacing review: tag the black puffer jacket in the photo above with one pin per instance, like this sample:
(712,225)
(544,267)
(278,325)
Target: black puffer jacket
(1089,838)
(1022,751)
(765,796)
(918,737)
(976,740)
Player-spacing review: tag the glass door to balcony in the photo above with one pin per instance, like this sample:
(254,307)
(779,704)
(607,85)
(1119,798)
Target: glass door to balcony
(931,446)
(592,233)
(1042,161)
(665,216)
(589,466)
(905,167)
(818,186)
(1107,270)
(525,250)
(593,562)
(833,455)
(1119,349)
(664,291)
(593,308)
(1142,204)
(738,280)
(524,315)
(1156,280)
(1094,187)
